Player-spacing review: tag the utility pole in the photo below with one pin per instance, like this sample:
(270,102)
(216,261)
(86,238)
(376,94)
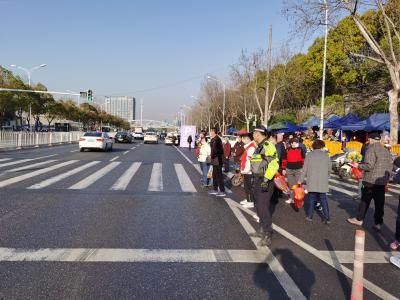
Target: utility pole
(321,125)
(141,112)
(269,66)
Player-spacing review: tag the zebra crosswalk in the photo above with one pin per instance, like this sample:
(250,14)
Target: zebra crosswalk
(42,173)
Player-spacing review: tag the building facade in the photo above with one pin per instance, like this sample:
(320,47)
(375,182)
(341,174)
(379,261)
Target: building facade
(121,106)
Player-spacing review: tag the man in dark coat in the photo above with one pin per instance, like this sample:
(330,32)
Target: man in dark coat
(190,140)
(217,152)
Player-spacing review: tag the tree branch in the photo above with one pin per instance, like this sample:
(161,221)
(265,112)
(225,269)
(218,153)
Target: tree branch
(368,57)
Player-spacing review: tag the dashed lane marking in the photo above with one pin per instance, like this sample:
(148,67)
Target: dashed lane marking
(74,151)
(133,148)
(115,158)
(5,159)
(125,153)
(156,182)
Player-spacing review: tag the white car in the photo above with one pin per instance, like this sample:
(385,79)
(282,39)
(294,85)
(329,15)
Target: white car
(169,140)
(138,136)
(150,137)
(95,140)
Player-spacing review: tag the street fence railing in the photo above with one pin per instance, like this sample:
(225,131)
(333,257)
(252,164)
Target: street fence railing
(19,140)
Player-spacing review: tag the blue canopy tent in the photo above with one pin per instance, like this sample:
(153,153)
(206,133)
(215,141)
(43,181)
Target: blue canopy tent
(378,121)
(231,130)
(311,122)
(333,118)
(346,120)
(290,127)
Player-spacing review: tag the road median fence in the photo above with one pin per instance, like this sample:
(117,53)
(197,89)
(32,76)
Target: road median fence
(19,140)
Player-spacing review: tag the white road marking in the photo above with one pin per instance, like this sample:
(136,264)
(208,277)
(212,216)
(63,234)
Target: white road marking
(24,160)
(35,173)
(27,167)
(184,156)
(126,178)
(88,181)
(133,148)
(347,257)
(184,180)
(62,176)
(287,283)
(346,192)
(156,182)
(126,152)
(353,186)
(132,255)
(198,169)
(333,262)
(5,159)
(74,151)
(115,158)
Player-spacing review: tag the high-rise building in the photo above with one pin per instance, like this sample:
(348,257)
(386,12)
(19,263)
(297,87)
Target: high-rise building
(122,106)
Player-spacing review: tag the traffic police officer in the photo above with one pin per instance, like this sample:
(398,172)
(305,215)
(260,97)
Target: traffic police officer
(264,164)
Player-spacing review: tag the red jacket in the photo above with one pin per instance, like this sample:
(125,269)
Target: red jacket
(227,150)
(293,159)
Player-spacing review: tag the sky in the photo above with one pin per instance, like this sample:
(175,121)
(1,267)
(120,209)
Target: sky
(158,51)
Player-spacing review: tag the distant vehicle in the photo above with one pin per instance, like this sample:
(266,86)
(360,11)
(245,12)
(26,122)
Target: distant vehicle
(95,140)
(150,137)
(169,140)
(105,128)
(232,139)
(123,137)
(163,135)
(138,135)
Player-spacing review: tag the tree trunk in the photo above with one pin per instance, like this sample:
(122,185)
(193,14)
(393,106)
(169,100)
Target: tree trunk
(394,115)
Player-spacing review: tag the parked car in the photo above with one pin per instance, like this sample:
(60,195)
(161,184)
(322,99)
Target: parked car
(95,140)
(123,137)
(150,137)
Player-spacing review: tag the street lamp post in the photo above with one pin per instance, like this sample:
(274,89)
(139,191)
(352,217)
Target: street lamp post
(321,126)
(29,74)
(223,103)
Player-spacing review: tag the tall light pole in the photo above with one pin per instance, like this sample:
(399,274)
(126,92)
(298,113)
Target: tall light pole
(223,103)
(201,111)
(29,74)
(321,125)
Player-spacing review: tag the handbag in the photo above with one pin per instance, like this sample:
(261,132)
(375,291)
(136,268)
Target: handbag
(357,173)
(210,172)
(208,159)
(280,183)
(298,196)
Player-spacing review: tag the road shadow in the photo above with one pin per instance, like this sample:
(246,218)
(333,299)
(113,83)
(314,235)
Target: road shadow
(303,277)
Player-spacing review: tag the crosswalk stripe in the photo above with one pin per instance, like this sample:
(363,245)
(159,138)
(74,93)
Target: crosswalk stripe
(5,159)
(62,176)
(35,173)
(126,178)
(354,186)
(88,181)
(24,160)
(27,167)
(184,180)
(156,182)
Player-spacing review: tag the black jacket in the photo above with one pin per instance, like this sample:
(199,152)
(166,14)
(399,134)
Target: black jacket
(217,151)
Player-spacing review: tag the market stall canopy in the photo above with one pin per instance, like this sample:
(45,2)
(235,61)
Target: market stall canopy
(277,126)
(290,127)
(346,120)
(378,121)
(333,118)
(311,122)
(231,130)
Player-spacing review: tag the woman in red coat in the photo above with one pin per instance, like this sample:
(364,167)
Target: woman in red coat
(227,154)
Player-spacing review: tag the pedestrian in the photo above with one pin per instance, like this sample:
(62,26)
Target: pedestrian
(204,160)
(396,243)
(190,140)
(227,154)
(245,170)
(217,152)
(292,164)
(316,171)
(264,166)
(237,152)
(377,167)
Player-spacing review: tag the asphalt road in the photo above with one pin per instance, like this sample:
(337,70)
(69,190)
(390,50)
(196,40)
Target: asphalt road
(135,224)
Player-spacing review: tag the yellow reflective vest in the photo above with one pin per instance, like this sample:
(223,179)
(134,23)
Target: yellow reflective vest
(265,162)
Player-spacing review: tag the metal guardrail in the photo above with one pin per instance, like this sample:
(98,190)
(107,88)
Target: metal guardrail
(35,139)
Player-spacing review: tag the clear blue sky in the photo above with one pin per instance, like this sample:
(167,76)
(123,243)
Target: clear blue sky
(128,47)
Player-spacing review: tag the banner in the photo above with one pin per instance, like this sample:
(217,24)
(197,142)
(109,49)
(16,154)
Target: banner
(186,131)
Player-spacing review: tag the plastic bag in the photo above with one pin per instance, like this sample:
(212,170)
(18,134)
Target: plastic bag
(197,152)
(298,196)
(210,172)
(280,183)
(357,173)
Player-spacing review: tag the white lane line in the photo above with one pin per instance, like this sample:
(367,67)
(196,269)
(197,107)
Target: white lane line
(353,186)
(5,159)
(370,257)
(156,182)
(131,255)
(35,173)
(133,148)
(126,178)
(198,169)
(115,158)
(25,160)
(333,262)
(62,176)
(184,180)
(27,167)
(74,151)
(340,190)
(125,153)
(287,283)
(184,156)
(94,177)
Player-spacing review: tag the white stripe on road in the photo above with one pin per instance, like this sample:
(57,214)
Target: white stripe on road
(126,178)
(347,257)
(5,159)
(115,158)
(156,182)
(27,167)
(133,148)
(332,262)
(62,176)
(35,173)
(184,156)
(352,186)
(198,169)
(126,152)
(340,190)
(24,160)
(184,180)
(74,151)
(287,283)
(88,181)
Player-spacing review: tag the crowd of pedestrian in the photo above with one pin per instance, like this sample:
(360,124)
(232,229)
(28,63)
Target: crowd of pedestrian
(259,156)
